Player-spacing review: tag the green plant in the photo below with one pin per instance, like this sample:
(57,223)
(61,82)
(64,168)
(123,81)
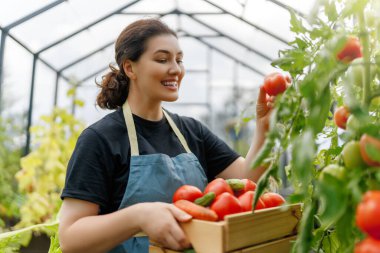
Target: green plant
(10,154)
(42,176)
(303,120)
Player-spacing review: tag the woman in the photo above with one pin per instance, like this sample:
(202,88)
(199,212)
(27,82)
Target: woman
(126,167)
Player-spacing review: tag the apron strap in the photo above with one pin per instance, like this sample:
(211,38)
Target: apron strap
(132,130)
(177,132)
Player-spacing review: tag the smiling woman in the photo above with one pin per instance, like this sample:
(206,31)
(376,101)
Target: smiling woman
(126,167)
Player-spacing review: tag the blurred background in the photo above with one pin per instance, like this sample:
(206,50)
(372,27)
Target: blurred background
(49,47)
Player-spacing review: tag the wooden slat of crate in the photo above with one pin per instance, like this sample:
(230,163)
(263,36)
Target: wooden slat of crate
(205,236)
(283,245)
(263,225)
(279,246)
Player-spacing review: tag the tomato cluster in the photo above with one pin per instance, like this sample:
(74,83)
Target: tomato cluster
(357,153)
(222,197)
(367,219)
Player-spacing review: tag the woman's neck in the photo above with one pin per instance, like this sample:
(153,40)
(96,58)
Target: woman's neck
(146,109)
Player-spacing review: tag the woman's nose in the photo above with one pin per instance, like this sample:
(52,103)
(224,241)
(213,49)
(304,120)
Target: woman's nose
(175,68)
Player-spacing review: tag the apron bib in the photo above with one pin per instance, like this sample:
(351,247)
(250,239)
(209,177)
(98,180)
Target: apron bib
(156,177)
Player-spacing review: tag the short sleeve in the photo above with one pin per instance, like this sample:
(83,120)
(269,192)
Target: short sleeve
(89,172)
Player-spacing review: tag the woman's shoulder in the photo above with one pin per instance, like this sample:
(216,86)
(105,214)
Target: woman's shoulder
(111,126)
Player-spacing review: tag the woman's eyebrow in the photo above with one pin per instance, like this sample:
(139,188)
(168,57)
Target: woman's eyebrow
(167,52)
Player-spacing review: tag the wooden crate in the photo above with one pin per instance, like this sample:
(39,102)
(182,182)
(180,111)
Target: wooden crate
(267,230)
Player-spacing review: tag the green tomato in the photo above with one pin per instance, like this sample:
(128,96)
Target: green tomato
(351,155)
(353,124)
(334,170)
(355,73)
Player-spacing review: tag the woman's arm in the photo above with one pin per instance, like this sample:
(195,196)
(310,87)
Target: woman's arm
(81,229)
(241,167)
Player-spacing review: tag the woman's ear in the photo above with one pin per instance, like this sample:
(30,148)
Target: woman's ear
(128,69)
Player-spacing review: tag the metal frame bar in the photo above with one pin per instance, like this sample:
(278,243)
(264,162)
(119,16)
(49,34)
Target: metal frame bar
(5,33)
(249,23)
(199,38)
(87,26)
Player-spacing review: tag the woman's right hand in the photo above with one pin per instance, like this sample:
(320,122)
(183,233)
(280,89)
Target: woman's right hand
(160,222)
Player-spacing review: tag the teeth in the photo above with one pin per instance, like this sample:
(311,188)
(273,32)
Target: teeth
(170,84)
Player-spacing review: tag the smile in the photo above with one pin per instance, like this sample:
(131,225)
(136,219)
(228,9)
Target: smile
(170,84)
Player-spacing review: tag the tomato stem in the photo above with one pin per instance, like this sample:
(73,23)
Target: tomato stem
(364,36)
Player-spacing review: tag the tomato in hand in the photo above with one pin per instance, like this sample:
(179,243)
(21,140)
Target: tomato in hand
(218,186)
(351,50)
(225,204)
(351,155)
(341,116)
(246,201)
(368,245)
(249,185)
(370,150)
(275,83)
(272,199)
(368,214)
(187,192)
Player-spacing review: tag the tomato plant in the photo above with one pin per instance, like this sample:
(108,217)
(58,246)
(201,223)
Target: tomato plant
(368,213)
(187,192)
(225,204)
(341,116)
(275,83)
(334,63)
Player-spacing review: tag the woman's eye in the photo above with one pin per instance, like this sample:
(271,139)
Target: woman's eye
(162,60)
(180,61)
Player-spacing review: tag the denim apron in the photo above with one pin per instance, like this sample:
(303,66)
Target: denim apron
(155,177)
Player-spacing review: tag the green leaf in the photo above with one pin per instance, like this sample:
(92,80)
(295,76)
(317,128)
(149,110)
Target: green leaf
(296,25)
(333,199)
(263,153)
(303,151)
(305,231)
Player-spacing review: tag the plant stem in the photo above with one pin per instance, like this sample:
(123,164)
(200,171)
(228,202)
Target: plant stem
(364,36)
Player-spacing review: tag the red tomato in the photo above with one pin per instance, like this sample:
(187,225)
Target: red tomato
(368,245)
(368,214)
(187,192)
(275,84)
(225,204)
(218,186)
(272,199)
(341,116)
(246,201)
(365,142)
(249,185)
(351,50)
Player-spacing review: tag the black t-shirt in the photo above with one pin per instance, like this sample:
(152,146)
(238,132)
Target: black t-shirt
(99,166)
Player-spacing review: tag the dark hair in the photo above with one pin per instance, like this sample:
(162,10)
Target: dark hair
(130,44)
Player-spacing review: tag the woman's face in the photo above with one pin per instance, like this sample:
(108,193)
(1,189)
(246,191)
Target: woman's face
(159,70)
